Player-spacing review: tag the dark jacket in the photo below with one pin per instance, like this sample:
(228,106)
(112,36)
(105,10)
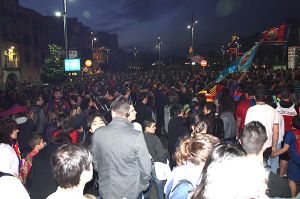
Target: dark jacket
(215,126)
(143,112)
(176,131)
(121,157)
(155,148)
(40,181)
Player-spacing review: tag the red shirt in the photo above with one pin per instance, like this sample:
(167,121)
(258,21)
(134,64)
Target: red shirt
(241,112)
(73,135)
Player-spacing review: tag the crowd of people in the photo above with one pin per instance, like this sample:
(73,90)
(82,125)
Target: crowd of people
(119,135)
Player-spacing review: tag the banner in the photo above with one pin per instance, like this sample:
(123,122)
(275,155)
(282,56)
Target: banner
(246,60)
(276,34)
(241,65)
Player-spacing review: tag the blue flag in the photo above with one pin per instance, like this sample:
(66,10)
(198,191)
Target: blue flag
(232,68)
(246,60)
(241,65)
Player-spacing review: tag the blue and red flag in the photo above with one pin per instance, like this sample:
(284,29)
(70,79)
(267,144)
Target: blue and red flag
(276,34)
(246,60)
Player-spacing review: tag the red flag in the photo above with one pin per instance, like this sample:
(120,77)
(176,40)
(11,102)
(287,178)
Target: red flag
(275,34)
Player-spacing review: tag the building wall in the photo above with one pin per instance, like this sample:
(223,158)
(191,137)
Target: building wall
(25,35)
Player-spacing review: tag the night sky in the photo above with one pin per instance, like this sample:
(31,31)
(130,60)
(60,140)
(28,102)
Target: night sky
(140,22)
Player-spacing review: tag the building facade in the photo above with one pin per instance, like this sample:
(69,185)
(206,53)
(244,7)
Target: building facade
(24,38)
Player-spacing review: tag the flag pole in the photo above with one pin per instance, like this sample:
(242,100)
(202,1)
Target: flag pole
(286,45)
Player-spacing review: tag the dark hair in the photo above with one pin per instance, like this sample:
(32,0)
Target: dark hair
(120,105)
(91,117)
(68,163)
(85,103)
(253,137)
(260,94)
(34,140)
(296,122)
(212,107)
(285,93)
(198,122)
(7,126)
(147,123)
(62,138)
(140,96)
(250,90)
(226,104)
(175,109)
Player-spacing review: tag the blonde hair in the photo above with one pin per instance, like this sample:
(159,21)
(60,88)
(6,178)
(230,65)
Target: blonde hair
(75,111)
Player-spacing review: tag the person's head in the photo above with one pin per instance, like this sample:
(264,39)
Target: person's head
(296,122)
(85,103)
(121,108)
(197,124)
(36,142)
(260,94)
(226,174)
(57,94)
(39,100)
(249,91)
(8,130)
(142,97)
(149,126)
(285,93)
(253,137)
(72,166)
(195,149)
(94,121)
(176,109)
(226,104)
(75,111)
(52,117)
(209,108)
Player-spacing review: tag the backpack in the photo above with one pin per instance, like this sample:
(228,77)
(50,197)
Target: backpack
(181,191)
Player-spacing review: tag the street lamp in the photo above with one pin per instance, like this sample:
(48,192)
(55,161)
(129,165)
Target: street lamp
(94,39)
(192,27)
(107,51)
(158,45)
(64,14)
(237,49)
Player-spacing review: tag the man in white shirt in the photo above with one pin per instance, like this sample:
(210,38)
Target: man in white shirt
(266,115)
(72,168)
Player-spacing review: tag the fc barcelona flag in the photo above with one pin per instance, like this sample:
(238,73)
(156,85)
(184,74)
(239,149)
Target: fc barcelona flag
(246,60)
(276,34)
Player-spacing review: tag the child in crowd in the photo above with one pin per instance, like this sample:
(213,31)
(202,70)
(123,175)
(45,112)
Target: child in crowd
(292,145)
(36,143)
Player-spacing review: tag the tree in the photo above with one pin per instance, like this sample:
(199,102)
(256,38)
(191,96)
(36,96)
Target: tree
(53,67)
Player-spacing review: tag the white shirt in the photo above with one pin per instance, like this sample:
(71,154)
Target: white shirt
(11,187)
(64,194)
(266,115)
(9,162)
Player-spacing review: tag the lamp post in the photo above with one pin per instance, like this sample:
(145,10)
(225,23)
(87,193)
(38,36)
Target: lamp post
(158,45)
(237,49)
(93,39)
(223,54)
(192,27)
(135,52)
(64,14)
(107,51)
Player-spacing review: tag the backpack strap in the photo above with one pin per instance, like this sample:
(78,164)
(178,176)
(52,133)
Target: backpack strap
(5,174)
